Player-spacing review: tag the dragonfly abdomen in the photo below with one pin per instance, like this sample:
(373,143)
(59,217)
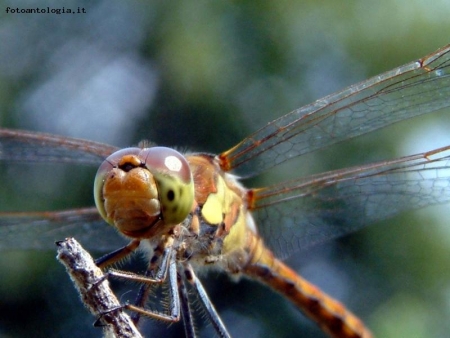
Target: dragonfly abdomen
(330,314)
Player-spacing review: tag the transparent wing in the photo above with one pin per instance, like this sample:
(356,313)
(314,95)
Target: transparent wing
(19,145)
(299,213)
(40,230)
(416,88)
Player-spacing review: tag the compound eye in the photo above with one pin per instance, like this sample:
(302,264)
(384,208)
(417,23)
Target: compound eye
(173,178)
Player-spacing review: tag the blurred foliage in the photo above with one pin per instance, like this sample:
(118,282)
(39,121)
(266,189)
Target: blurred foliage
(200,76)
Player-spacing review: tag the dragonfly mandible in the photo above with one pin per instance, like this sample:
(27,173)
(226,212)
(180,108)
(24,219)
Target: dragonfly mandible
(191,211)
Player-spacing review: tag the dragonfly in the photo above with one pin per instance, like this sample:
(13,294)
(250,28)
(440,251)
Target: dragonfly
(191,211)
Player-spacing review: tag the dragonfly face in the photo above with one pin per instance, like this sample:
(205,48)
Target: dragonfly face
(143,192)
(216,217)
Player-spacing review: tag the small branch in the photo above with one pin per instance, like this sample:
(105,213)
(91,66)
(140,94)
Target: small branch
(94,290)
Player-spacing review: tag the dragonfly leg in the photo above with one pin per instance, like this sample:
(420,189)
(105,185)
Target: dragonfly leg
(211,312)
(117,255)
(186,312)
(161,256)
(174,307)
(99,323)
(173,314)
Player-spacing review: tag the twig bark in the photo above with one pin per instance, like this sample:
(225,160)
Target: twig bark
(94,290)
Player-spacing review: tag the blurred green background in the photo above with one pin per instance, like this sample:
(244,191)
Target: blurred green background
(201,76)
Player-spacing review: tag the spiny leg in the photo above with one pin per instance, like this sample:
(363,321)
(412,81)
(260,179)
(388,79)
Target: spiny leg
(174,307)
(117,255)
(186,311)
(159,277)
(211,312)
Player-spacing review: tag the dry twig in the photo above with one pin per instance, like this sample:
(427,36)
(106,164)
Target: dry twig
(94,290)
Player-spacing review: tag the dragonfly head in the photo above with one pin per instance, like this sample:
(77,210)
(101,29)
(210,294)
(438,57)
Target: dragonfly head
(142,191)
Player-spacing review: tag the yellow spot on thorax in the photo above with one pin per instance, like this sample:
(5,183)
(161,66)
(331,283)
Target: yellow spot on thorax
(216,204)
(226,207)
